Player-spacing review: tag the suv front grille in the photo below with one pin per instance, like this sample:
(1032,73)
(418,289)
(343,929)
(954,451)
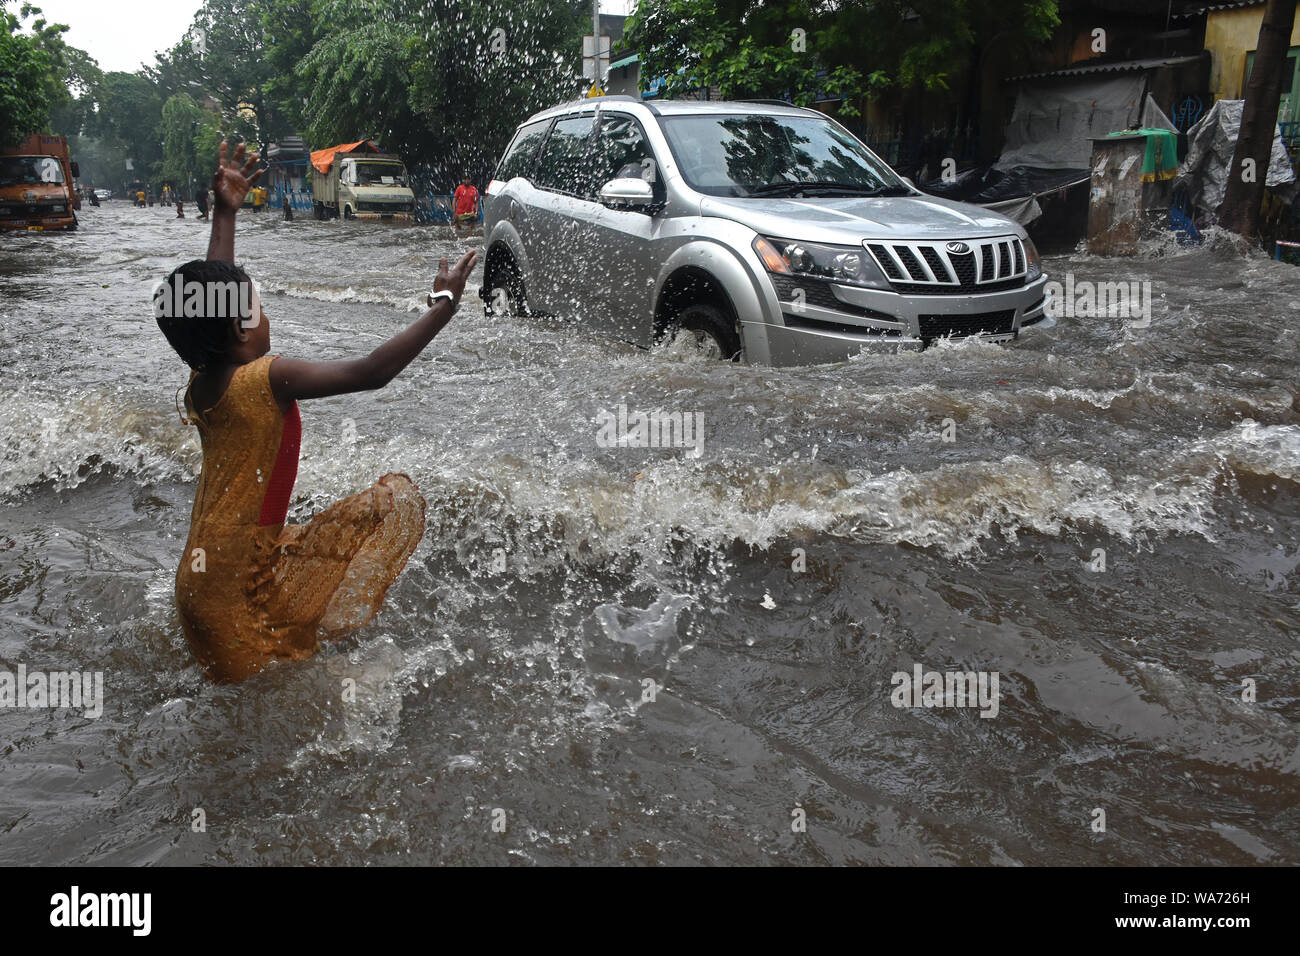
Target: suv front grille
(933,268)
(939,326)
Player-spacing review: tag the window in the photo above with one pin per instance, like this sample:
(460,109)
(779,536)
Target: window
(378,174)
(748,155)
(622,152)
(562,164)
(29,171)
(518,160)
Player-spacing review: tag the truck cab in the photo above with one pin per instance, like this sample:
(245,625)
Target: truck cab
(36,185)
(375,188)
(356,181)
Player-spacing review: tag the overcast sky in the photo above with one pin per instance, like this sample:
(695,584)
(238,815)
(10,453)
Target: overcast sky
(120,35)
(123,34)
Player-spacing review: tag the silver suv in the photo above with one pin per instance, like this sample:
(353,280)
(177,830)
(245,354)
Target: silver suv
(766,231)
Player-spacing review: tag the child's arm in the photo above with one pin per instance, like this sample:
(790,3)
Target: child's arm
(230,184)
(293,379)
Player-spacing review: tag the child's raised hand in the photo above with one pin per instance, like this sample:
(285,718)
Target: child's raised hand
(234,177)
(454,279)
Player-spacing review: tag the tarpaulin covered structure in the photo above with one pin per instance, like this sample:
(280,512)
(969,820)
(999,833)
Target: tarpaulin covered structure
(1057,115)
(323,159)
(1211,144)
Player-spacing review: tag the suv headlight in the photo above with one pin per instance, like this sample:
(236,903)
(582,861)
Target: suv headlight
(850,265)
(1033,261)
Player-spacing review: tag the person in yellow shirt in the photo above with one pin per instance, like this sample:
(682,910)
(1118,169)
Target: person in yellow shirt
(259,199)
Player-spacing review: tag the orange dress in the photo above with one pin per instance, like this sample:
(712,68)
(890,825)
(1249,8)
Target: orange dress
(252,589)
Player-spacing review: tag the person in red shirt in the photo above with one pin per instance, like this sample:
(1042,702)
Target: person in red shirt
(465,205)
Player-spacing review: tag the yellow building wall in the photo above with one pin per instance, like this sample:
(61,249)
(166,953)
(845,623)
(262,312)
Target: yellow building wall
(1229,36)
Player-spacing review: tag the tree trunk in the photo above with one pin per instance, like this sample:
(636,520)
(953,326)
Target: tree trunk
(1245,193)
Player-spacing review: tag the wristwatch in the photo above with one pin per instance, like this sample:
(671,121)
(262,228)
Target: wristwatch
(444,294)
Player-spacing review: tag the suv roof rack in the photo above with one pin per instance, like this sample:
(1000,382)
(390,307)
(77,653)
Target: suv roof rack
(792,106)
(627,98)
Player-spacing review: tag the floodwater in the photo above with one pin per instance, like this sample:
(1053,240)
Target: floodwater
(506,679)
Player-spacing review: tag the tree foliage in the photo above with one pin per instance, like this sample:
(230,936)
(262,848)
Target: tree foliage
(24,100)
(442,82)
(801,48)
(44,82)
(190,138)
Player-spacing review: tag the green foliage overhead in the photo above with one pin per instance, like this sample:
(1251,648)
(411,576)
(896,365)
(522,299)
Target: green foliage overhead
(444,82)
(190,137)
(800,48)
(24,96)
(440,82)
(128,113)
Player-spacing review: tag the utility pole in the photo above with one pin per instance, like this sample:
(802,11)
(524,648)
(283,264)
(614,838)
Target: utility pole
(1240,208)
(595,39)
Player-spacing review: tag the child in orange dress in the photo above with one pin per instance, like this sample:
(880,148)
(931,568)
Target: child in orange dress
(250,588)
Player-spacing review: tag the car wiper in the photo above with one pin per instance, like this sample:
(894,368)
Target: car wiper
(795,187)
(817,187)
(890,191)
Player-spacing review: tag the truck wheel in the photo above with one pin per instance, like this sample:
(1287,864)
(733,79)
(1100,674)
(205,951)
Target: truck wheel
(318,209)
(347,213)
(711,331)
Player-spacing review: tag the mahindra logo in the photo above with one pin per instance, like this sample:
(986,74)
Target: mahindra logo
(958,248)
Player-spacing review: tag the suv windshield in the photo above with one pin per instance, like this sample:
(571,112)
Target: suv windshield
(378,174)
(29,170)
(757,155)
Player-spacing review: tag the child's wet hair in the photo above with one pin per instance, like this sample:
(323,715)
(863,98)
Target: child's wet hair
(200,340)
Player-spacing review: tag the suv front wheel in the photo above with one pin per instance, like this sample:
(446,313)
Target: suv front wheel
(710,331)
(503,287)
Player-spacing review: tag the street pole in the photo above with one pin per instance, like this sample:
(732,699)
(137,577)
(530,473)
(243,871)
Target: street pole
(595,34)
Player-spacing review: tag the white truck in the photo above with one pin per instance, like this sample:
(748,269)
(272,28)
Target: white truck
(359,181)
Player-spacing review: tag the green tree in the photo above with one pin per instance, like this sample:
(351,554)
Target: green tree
(491,70)
(128,113)
(290,31)
(102,163)
(24,96)
(71,75)
(190,141)
(224,55)
(443,83)
(849,48)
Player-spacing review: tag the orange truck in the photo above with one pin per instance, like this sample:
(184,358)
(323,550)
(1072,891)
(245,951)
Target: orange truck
(36,188)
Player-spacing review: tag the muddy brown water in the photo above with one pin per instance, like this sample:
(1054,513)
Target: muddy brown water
(826,538)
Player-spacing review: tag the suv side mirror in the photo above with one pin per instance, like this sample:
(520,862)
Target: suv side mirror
(626,194)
